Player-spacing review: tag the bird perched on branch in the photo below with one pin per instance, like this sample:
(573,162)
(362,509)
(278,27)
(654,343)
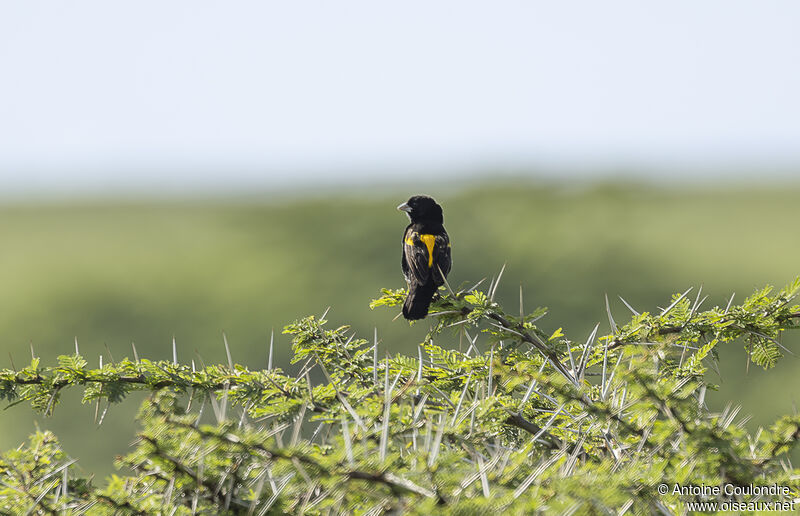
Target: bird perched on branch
(426,254)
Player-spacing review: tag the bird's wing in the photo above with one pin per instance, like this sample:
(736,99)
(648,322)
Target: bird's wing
(425,255)
(417,257)
(442,260)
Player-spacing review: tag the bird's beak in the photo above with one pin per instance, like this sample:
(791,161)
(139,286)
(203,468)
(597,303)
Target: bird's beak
(404,207)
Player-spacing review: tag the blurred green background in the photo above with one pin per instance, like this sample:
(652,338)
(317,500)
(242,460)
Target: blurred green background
(114,272)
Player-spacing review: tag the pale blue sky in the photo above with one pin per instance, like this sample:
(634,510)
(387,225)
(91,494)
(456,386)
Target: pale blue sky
(189,94)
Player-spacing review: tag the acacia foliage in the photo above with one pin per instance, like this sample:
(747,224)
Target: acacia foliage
(492,414)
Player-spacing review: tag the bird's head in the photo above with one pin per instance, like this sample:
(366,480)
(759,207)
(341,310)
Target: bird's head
(422,208)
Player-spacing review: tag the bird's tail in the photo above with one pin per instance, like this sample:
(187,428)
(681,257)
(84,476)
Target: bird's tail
(417,301)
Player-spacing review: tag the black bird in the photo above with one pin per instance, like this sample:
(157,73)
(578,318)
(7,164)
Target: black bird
(426,254)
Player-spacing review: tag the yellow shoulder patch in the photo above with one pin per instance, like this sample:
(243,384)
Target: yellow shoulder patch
(429,241)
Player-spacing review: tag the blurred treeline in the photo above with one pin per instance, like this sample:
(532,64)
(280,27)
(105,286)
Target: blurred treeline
(115,272)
